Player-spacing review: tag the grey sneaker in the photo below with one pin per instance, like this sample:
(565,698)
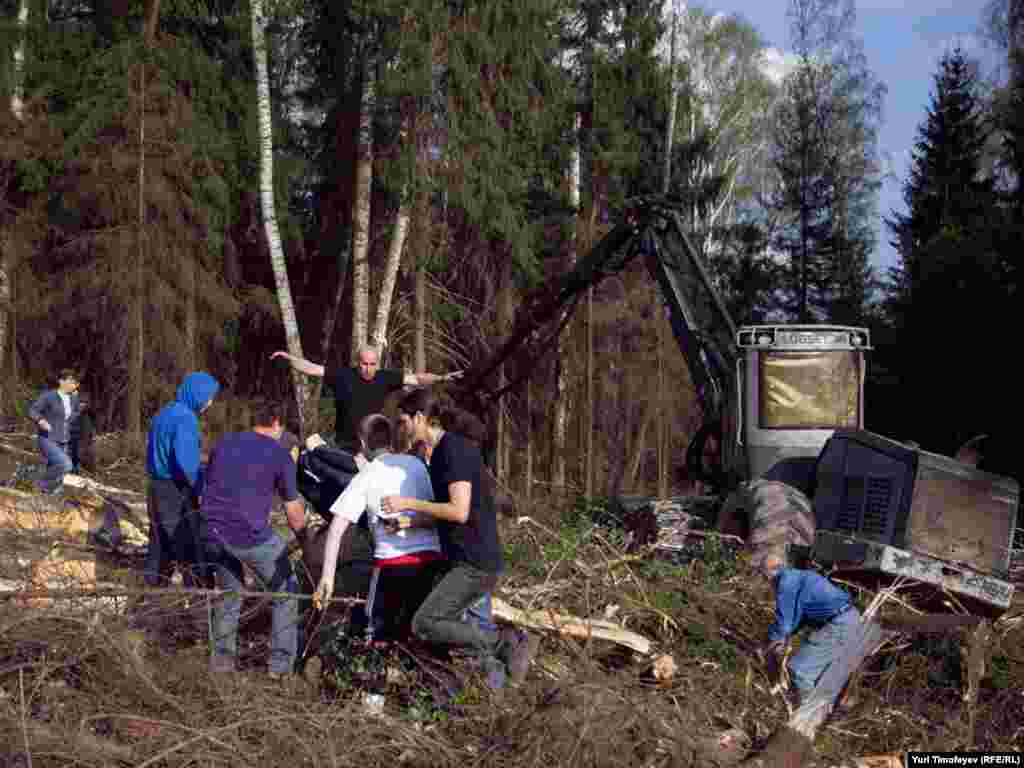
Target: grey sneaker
(517,650)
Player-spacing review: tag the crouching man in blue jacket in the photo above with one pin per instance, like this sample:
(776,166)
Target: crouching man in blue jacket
(175,481)
(807,598)
(55,414)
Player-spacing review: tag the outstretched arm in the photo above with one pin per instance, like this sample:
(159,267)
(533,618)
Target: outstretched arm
(426,379)
(300,363)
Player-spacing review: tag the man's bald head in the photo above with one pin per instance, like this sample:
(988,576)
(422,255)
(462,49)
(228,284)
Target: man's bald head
(369,362)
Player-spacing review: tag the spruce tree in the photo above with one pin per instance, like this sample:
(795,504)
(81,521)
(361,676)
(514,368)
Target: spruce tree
(947,261)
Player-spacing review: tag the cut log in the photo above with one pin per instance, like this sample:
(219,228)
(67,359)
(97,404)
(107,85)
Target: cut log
(77,481)
(75,518)
(572,626)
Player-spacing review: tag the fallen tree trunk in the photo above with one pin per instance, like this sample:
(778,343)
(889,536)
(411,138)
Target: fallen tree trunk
(572,626)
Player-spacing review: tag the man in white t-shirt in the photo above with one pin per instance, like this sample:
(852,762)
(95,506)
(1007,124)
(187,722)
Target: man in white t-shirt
(407,558)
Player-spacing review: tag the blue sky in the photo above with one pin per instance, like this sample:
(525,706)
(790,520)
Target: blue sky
(903,42)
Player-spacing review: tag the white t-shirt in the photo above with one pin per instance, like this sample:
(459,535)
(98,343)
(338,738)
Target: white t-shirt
(66,399)
(390,474)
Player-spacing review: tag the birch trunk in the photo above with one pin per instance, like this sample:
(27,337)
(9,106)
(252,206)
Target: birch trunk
(361,210)
(560,427)
(670,129)
(387,291)
(277,261)
(18,89)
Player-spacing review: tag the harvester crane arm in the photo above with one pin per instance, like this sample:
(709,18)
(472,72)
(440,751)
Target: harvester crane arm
(649,227)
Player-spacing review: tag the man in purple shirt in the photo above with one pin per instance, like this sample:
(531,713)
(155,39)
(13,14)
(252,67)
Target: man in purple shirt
(806,597)
(246,470)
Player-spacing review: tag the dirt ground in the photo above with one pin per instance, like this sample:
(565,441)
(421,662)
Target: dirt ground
(121,681)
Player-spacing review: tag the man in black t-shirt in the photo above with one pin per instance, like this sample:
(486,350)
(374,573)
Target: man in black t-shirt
(361,390)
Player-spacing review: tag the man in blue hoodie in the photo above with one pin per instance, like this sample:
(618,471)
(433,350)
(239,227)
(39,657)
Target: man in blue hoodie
(175,480)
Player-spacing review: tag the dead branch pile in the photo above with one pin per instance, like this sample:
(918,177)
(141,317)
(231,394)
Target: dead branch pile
(130,685)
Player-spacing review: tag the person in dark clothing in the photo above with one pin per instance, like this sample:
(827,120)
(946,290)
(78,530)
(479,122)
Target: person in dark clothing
(175,481)
(361,390)
(83,439)
(323,473)
(247,470)
(468,528)
(55,413)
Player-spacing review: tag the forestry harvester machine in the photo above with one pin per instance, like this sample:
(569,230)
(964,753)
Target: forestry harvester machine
(786,403)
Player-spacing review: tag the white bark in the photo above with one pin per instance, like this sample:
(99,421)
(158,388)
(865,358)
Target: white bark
(731,96)
(18,89)
(670,129)
(361,212)
(380,325)
(560,427)
(277,260)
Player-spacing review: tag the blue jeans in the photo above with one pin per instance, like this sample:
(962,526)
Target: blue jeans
(270,562)
(58,463)
(820,648)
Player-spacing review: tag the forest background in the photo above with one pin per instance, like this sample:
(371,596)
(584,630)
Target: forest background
(192,184)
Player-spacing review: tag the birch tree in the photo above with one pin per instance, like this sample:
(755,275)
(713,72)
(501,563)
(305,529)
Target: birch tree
(673,98)
(266,149)
(726,132)
(361,206)
(378,338)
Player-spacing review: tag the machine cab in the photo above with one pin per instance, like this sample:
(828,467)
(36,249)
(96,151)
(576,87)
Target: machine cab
(796,384)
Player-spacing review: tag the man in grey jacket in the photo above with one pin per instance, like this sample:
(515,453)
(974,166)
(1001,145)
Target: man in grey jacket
(55,414)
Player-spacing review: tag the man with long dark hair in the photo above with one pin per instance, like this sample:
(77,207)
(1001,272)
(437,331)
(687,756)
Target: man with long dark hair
(466,521)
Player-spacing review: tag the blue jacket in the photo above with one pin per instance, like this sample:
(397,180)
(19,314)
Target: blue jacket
(50,407)
(801,595)
(172,449)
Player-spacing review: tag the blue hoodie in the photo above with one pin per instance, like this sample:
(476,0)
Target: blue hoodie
(172,450)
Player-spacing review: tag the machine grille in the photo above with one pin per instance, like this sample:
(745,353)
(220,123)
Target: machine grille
(877,504)
(853,503)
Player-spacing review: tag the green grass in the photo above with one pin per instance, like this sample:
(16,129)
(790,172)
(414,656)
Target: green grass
(702,646)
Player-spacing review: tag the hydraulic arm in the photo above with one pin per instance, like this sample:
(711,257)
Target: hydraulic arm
(700,321)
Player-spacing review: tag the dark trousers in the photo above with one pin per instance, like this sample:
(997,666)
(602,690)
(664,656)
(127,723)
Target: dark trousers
(174,535)
(401,590)
(439,620)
